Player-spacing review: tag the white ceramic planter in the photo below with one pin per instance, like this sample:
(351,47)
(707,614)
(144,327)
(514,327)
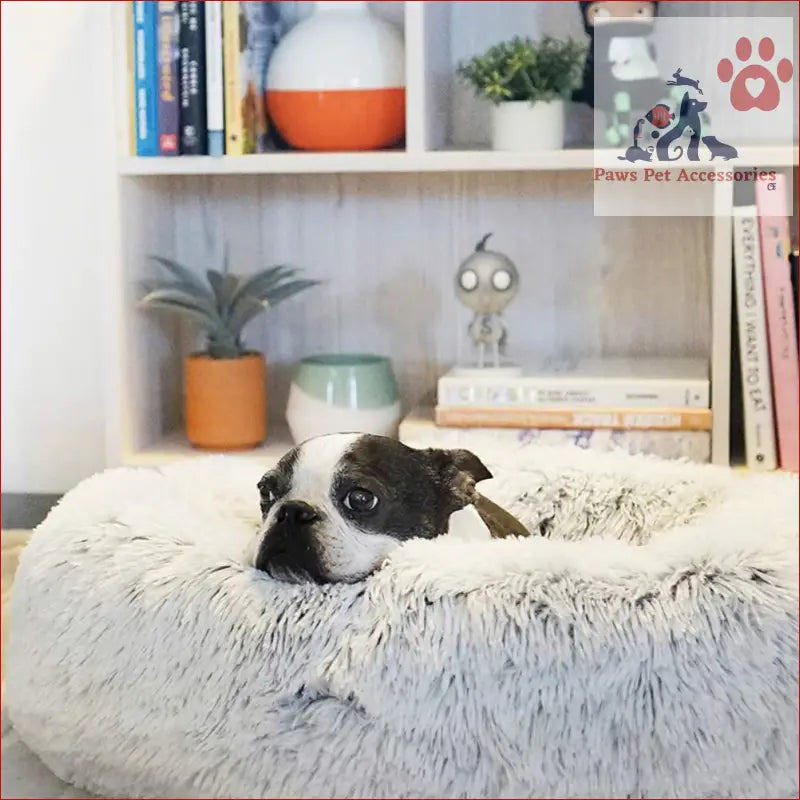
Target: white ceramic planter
(343,393)
(520,126)
(308,417)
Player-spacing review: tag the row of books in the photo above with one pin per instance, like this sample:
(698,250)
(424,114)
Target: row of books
(197,74)
(419,429)
(659,406)
(765,347)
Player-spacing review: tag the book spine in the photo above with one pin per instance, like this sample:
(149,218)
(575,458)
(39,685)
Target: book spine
(691,445)
(775,247)
(612,419)
(234,129)
(759,433)
(215,84)
(794,260)
(263,32)
(192,37)
(131,71)
(168,105)
(146,77)
(532,392)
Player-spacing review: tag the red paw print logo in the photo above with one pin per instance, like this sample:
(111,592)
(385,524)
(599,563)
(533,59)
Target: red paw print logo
(755,86)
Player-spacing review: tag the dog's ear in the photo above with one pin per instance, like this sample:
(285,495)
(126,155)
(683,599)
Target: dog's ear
(457,471)
(684,110)
(449,463)
(466,461)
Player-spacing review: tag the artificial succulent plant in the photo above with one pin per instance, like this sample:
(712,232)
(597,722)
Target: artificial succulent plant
(223,303)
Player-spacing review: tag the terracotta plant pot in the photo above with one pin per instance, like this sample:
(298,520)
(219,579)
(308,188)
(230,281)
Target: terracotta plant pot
(225,401)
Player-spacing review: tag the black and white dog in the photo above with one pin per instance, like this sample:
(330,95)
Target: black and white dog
(335,506)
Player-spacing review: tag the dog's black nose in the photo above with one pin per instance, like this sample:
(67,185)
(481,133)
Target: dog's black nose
(295,512)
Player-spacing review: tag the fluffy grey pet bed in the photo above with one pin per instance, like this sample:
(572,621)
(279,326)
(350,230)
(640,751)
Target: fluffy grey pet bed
(645,644)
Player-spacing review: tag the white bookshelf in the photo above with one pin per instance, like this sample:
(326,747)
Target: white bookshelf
(172,447)
(386,231)
(405,161)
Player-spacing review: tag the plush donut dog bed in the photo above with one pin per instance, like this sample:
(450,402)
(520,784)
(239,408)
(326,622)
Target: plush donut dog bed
(644,644)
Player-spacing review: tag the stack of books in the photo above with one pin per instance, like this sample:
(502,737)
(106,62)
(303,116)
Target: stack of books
(657,406)
(197,75)
(765,338)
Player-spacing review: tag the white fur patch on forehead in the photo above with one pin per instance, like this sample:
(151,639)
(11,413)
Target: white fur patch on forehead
(317,460)
(346,553)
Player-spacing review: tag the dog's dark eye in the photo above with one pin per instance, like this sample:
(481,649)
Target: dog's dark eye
(359,499)
(268,496)
(266,492)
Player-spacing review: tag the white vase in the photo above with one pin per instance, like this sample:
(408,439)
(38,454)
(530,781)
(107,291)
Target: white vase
(520,126)
(337,80)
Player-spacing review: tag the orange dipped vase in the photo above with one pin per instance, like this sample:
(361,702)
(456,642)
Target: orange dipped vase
(337,81)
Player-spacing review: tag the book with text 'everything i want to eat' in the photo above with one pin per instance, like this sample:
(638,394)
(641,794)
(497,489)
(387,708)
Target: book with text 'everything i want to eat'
(609,383)
(759,431)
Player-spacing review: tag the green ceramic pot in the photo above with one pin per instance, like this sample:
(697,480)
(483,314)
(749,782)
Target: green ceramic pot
(343,393)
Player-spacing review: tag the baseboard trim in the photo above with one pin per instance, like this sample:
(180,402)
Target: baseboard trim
(25,510)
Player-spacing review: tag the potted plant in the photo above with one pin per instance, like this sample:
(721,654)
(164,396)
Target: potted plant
(225,391)
(527,82)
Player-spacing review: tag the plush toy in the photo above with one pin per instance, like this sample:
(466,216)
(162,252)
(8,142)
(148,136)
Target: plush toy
(620,78)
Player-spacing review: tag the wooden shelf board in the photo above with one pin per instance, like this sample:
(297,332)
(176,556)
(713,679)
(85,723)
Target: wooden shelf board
(432,161)
(175,447)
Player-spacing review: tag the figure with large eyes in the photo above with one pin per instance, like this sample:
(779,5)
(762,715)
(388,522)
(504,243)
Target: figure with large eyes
(486,283)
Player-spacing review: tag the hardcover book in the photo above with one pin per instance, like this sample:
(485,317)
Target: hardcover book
(235,144)
(168,104)
(759,434)
(589,383)
(251,31)
(736,401)
(773,226)
(146,77)
(667,419)
(192,38)
(215,84)
(418,429)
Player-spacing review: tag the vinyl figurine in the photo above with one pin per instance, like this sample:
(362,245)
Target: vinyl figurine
(620,78)
(486,283)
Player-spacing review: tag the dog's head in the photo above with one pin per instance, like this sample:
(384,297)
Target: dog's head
(691,107)
(335,506)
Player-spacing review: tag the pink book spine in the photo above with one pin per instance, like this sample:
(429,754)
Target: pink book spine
(773,223)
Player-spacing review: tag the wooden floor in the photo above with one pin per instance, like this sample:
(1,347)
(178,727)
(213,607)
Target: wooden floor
(12,544)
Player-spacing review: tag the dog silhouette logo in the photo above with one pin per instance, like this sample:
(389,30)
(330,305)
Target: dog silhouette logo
(679,133)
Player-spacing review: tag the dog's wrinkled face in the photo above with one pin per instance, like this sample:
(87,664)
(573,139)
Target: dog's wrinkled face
(335,506)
